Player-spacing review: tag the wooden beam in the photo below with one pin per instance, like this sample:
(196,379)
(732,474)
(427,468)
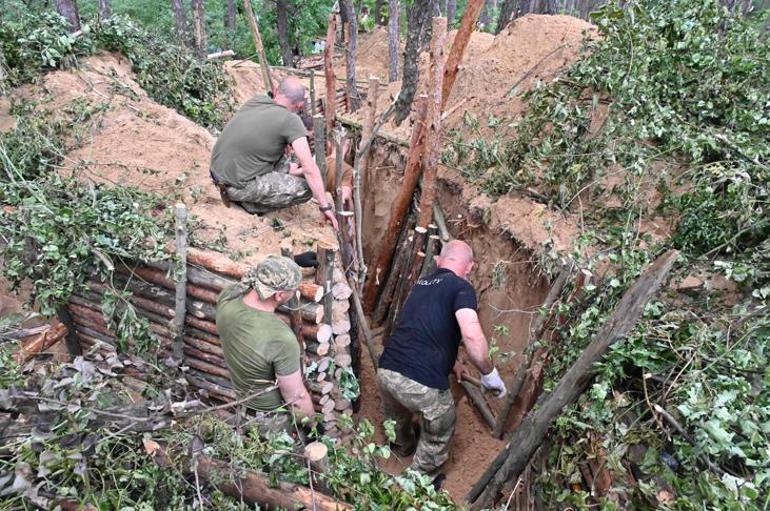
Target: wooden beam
(180,309)
(330,106)
(459,44)
(525,440)
(400,206)
(264,67)
(433,140)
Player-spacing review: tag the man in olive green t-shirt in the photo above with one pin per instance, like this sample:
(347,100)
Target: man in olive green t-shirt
(259,348)
(249,163)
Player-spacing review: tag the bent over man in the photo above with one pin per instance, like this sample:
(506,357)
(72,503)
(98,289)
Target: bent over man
(421,353)
(259,348)
(249,163)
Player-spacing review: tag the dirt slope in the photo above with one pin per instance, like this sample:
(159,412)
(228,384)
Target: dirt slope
(134,141)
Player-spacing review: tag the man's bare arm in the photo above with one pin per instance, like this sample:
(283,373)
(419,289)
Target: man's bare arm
(296,395)
(474,340)
(313,176)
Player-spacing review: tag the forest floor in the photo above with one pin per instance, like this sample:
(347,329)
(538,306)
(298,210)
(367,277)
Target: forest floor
(130,140)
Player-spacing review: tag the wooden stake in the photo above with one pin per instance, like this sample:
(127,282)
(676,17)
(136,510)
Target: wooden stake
(400,206)
(294,308)
(180,211)
(312,93)
(440,219)
(467,25)
(477,398)
(434,131)
(330,106)
(319,141)
(264,67)
(525,440)
(316,456)
(325,276)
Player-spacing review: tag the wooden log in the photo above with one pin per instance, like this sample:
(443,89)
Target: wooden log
(318,348)
(340,311)
(207,367)
(316,454)
(477,399)
(529,435)
(330,107)
(39,343)
(319,141)
(341,327)
(293,305)
(428,263)
(191,352)
(311,292)
(440,219)
(204,346)
(342,404)
(434,131)
(400,206)
(341,291)
(200,324)
(321,388)
(202,294)
(462,37)
(91,342)
(180,213)
(201,310)
(216,379)
(220,55)
(391,284)
(212,388)
(341,341)
(325,278)
(536,330)
(264,67)
(343,360)
(328,406)
(310,312)
(217,262)
(256,488)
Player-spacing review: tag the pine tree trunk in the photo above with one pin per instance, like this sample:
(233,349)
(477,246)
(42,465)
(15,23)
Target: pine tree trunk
(199,26)
(394,39)
(69,11)
(354,100)
(419,16)
(180,21)
(451,12)
(230,16)
(507,12)
(105,10)
(282,12)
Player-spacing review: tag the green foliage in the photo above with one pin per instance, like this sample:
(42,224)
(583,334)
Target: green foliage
(34,43)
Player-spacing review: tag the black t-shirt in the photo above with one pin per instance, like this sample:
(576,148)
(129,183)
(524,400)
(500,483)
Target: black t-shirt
(424,344)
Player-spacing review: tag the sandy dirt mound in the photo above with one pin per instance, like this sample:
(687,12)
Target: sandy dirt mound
(137,142)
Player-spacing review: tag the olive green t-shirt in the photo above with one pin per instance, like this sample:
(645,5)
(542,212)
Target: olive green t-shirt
(253,142)
(257,346)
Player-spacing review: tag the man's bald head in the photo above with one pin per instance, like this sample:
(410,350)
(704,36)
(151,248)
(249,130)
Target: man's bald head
(456,256)
(292,90)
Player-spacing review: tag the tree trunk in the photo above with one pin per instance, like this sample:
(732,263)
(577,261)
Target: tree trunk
(230,17)
(394,39)
(457,51)
(419,16)
(105,10)
(180,21)
(199,26)
(507,12)
(354,100)
(512,461)
(69,11)
(282,11)
(378,17)
(451,12)
(485,19)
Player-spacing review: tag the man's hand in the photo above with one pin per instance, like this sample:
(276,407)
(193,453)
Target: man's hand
(459,370)
(331,217)
(492,381)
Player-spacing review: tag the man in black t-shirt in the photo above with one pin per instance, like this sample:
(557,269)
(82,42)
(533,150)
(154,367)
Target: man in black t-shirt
(413,375)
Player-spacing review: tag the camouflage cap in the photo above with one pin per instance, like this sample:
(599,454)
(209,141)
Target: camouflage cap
(274,274)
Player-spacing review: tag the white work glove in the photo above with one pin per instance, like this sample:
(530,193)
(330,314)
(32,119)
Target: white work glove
(492,381)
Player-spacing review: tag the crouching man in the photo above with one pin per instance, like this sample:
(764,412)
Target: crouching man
(413,375)
(260,349)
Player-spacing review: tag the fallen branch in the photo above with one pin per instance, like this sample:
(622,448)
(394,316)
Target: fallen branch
(525,440)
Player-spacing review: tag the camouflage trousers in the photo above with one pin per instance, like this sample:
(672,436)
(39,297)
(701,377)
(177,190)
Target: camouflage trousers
(401,398)
(271,191)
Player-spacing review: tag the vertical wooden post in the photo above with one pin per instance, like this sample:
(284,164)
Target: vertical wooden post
(199,29)
(394,46)
(263,65)
(433,131)
(294,307)
(330,106)
(312,93)
(352,95)
(316,456)
(324,276)
(320,145)
(180,309)
(400,206)
(462,37)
